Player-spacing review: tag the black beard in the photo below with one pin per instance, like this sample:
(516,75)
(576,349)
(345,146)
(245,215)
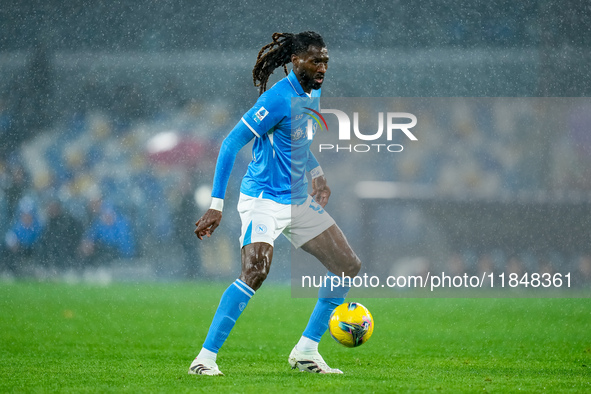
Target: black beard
(309,82)
(315,85)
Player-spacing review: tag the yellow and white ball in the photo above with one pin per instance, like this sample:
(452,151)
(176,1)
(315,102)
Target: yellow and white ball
(351,324)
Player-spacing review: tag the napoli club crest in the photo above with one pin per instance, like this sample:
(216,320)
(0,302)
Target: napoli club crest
(260,229)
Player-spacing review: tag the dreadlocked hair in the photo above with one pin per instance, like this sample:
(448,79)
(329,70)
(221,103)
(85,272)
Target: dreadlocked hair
(278,53)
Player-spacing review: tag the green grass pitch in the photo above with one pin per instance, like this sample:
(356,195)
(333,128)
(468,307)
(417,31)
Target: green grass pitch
(142,338)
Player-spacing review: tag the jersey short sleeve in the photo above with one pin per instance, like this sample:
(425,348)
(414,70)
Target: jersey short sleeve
(268,111)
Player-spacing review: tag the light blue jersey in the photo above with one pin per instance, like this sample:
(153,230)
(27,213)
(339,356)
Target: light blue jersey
(281,151)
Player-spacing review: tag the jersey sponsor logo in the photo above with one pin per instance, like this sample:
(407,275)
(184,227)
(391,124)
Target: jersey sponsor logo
(260,115)
(260,229)
(296,134)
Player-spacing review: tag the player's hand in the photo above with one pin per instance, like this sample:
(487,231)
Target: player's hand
(208,223)
(320,190)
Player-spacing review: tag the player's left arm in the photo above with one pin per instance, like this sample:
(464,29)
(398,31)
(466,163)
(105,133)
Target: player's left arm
(320,189)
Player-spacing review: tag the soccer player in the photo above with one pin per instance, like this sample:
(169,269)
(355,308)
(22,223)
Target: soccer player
(274,198)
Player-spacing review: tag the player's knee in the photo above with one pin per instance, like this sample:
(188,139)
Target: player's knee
(258,278)
(255,277)
(347,264)
(256,267)
(353,266)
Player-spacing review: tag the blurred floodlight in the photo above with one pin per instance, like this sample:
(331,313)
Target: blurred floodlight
(163,142)
(203,197)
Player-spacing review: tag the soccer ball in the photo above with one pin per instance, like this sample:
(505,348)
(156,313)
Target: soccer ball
(350,324)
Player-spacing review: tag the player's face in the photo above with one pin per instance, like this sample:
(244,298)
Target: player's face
(310,67)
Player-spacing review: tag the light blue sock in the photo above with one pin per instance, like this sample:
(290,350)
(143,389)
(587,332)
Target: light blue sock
(231,305)
(327,300)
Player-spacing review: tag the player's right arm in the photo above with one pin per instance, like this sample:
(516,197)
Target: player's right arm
(231,145)
(262,117)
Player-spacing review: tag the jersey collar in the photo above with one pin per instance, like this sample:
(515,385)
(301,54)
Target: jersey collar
(295,84)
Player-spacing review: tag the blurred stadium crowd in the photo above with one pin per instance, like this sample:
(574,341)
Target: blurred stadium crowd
(111,115)
(492,184)
(106,186)
(91,190)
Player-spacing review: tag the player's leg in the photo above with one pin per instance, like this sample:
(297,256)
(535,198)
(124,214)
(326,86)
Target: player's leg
(260,219)
(323,239)
(332,249)
(256,262)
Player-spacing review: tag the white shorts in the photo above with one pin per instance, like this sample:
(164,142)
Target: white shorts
(263,220)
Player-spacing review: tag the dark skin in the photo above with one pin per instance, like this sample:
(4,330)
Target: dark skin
(330,247)
(310,67)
